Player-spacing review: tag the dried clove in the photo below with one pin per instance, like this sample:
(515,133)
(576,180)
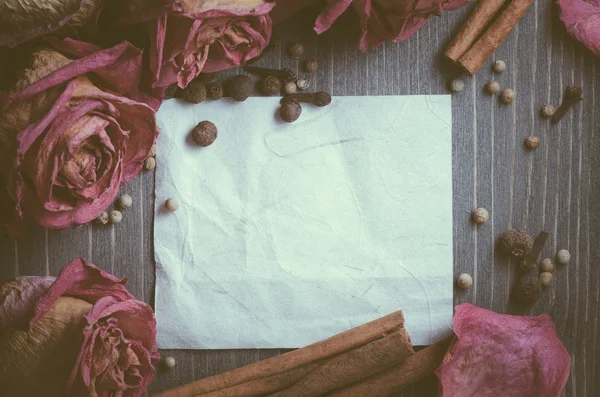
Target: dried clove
(572,96)
(286,75)
(318,98)
(528,263)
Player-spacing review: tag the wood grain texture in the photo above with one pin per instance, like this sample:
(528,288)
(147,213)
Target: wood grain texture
(556,188)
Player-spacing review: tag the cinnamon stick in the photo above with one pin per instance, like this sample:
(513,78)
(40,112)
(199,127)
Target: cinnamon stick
(341,343)
(391,381)
(485,46)
(353,366)
(480,17)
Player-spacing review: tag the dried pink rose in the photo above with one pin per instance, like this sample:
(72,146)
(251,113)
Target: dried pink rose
(582,19)
(501,355)
(102,339)
(24,20)
(70,135)
(194,36)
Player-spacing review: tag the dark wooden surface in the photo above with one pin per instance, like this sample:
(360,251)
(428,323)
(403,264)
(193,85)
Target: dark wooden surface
(554,189)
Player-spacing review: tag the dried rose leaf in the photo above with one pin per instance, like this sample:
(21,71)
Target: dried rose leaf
(502,355)
(582,19)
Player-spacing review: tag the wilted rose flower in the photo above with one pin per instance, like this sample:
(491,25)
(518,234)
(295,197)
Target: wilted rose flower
(194,36)
(582,19)
(69,134)
(86,335)
(24,20)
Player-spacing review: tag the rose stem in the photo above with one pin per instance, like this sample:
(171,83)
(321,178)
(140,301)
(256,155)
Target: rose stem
(572,96)
(482,14)
(483,48)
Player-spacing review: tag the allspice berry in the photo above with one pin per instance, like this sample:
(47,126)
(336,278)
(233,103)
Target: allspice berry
(547,111)
(195,92)
(499,66)
(150,163)
(171,205)
(205,133)
(508,96)
(517,242)
(241,87)
(563,256)
(546,279)
(115,217)
(529,290)
(546,266)
(492,87)
(102,219)
(464,281)
(532,142)
(480,216)
(290,88)
(172,91)
(214,91)
(125,201)
(169,362)
(290,111)
(270,85)
(310,66)
(457,85)
(296,50)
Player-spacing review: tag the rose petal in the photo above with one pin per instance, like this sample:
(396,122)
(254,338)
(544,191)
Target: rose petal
(18,299)
(582,19)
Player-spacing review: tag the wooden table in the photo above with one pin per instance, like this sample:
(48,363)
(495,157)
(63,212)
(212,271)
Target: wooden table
(555,188)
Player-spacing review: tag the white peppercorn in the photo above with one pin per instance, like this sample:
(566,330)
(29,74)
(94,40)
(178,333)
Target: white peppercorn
(303,84)
(172,205)
(152,151)
(508,96)
(169,362)
(499,66)
(546,279)
(464,281)
(548,111)
(532,142)
(150,163)
(492,87)
(457,85)
(125,201)
(563,256)
(290,88)
(115,217)
(480,216)
(102,219)
(546,266)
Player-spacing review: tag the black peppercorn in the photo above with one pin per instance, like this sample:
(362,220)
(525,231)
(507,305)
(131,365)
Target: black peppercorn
(204,134)
(241,87)
(214,91)
(528,290)
(310,65)
(296,50)
(290,111)
(270,85)
(172,91)
(195,92)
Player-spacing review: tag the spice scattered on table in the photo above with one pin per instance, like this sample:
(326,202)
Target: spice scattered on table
(172,205)
(150,163)
(547,111)
(310,66)
(125,201)
(205,133)
(195,92)
(172,91)
(169,362)
(270,85)
(285,75)
(320,98)
(546,266)
(492,87)
(572,96)
(563,257)
(480,216)
(240,87)
(499,67)
(528,262)
(115,217)
(152,151)
(214,91)
(290,88)
(546,279)
(296,50)
(303,84)
(457,85)
(290,111)
(517,242)
(464,281)
(532,142)
(528,290)
(102,218)
(508,96)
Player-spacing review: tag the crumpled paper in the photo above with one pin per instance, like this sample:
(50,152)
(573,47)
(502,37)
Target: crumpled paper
(290,233)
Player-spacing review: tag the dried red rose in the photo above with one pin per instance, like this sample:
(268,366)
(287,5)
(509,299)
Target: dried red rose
(70,135)
(582,19)
(500,355)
